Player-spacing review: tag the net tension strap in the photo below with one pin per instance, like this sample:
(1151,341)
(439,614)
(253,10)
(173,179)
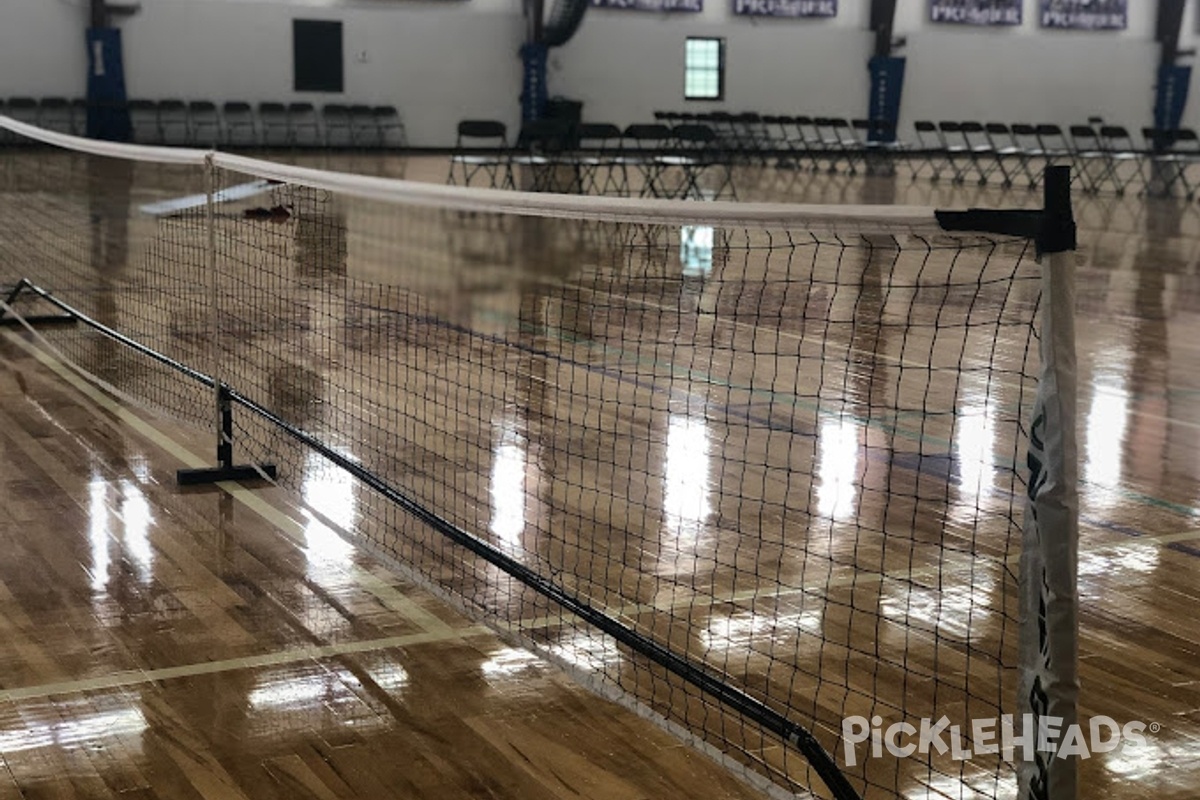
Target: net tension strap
(1052,228)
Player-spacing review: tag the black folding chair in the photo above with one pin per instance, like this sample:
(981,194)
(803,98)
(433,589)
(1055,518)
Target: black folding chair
(698,153)
(391,127)
(273,117)
(1124,162)
(1005,147)
(546,165)
(143,118)
(54,113)
(79,116)
(239,125)
(1089,165)
(481,148)
(204,123)
(1170,155)
(304,128)
(363,127)
(879,143)
(173,122)
(642,146)
(958,152)
(335,118)
(23,109)
(601,170)
(1033,157)
(930,148)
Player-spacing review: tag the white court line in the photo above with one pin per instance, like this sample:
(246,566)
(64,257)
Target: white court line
(177,204)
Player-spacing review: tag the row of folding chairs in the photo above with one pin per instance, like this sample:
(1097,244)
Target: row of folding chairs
(269,124)
(820,143)
(201,123)
(1104,157)
(650,160)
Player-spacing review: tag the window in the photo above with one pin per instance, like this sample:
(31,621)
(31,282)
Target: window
(704,69)
(317,54)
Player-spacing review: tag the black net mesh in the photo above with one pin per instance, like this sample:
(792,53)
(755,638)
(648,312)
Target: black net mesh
(770,452)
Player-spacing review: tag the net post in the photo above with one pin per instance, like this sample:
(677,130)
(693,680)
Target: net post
(225,470)
(1048,684)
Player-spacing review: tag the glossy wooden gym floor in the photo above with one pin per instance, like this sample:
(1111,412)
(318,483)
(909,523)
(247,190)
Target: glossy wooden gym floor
(168,643)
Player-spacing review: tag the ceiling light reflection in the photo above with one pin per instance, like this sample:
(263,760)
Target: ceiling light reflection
(509,461)
(696,250)
(740,631)
(78,729)
(837,469)
(328,490)
(686,504)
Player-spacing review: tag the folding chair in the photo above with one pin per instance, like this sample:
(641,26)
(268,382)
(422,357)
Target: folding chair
(1053,146)
(723,125)
(984,159)
(336,120)
(931,149)
(79,116)
(1124,161)
(846,139)
(1088,157)
(880,147)
(54,113)
(473,136)
(204,123)
(276,132)
(545,165)
(642,146)
(1004,146)
(697,152)
(364,127)
(1171,153)
(1033,156)
(391,127)
(752,134)
(804,143)
(143,118)
(173,122)
(23,109)
(304,128)
(957,149)
(601,170)
(240,127)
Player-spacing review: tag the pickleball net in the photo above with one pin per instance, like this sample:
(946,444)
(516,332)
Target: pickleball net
(753,469)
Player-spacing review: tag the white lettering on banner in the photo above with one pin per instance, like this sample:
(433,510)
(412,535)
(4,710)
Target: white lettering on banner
(786,8)
(976,15)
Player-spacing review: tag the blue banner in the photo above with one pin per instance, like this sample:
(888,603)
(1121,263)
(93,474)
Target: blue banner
(1088,15)
(887,83)
(976,12)
(786,8)
(690,6)
(107,116)
(1171,95)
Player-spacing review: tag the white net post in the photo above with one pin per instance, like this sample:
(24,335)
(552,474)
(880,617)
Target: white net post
(1049,679)
(210,231)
